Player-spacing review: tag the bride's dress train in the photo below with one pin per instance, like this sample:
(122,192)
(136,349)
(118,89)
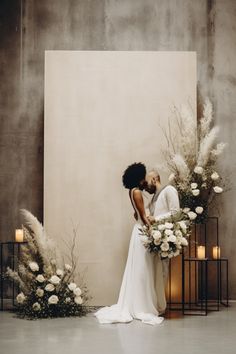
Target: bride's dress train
(137,298)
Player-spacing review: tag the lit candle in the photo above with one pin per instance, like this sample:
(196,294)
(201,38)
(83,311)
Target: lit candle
(216,252)
(201,252)
(19,237)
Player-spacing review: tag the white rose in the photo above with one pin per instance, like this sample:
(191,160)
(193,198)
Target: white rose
(198,170)
(171,177)
(192,215)
(20,298)
(156,235)
(36,306)
(157,242)
(55,280)
(72,286)
(184,242)
(170,255)
(168,232)
(40,278)
(218,189)
(68,267)
(193,185)
(196,192)
(39,292)
(164,254)
(186,210)
(77,292)
(199,210)
(34,266)
(204,185)
(49,287)
(60,272)
(172,238)
(165,246)
(67,300)
(78,300)
(169,225)
(53,300)
(161,227)
(215,176)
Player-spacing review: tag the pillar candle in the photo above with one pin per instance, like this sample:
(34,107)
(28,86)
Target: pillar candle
(201,252)
(19,237)
(216,252)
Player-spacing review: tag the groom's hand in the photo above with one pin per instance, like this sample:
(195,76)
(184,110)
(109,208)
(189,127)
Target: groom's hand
(151,219)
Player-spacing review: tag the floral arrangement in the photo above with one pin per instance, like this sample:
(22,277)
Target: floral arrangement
(47,285)
(167,236)
(192,159)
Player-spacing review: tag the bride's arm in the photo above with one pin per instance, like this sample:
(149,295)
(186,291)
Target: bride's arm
(138,199)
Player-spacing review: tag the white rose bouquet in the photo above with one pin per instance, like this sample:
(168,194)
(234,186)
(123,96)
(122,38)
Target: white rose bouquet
(47,286)
(167,236)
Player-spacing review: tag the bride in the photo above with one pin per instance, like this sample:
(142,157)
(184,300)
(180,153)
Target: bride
(137,298)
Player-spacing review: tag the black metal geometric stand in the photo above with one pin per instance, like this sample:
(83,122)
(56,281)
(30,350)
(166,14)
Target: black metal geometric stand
(203,285)
(196,299)
(12,249)
(204,281)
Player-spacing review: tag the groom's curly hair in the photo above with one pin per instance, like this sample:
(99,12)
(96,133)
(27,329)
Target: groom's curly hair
(133,175)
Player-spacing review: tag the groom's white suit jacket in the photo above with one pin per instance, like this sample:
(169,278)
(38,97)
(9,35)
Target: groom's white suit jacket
(163,203)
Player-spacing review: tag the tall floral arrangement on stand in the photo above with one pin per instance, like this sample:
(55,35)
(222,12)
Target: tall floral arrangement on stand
(47,284)
(191,156)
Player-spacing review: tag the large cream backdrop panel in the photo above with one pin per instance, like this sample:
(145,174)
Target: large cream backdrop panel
(102,112)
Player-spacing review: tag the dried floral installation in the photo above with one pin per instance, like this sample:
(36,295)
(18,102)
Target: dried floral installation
(191,155)
(47,284)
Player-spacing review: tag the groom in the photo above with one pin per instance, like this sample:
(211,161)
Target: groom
(165,201)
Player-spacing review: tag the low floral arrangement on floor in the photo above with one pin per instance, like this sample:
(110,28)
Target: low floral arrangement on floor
(47,285)
(168,236)
(191,156)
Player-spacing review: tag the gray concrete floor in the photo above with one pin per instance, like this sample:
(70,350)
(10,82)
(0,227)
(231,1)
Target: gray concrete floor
(213,334)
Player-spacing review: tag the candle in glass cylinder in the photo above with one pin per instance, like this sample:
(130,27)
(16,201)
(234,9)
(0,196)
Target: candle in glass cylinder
(201,252)
(216,252)
(19,236)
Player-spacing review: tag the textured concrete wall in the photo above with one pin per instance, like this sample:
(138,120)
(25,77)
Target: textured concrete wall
(29,27)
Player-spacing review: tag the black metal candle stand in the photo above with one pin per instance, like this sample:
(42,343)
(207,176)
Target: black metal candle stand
(9,257)
(204,281)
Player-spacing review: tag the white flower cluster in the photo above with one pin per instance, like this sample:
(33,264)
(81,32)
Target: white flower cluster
(51,285)
(204,181)
(169,236)
(76,292)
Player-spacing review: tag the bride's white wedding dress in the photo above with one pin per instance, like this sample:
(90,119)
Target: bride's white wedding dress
(137,298)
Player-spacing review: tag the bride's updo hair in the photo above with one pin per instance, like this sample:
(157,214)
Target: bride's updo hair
(133,175)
